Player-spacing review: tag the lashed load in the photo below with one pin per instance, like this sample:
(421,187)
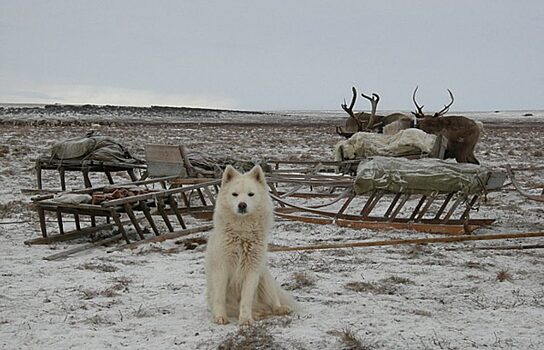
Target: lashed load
(403,143)
(100,148)
(422,176)
(97,197)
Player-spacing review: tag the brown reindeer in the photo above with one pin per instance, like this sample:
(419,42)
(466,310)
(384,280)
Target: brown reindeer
(462,133)
(362,121)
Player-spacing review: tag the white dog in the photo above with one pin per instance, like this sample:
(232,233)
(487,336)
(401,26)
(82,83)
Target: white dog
(239,282)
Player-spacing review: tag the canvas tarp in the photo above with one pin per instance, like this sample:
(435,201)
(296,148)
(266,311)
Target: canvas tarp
(424,176)
(100,148)
(366,144)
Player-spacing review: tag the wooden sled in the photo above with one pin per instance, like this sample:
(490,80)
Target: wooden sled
(85,167)
(445,213)
(129,210)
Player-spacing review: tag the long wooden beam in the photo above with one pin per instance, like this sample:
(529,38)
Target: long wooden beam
(450,239)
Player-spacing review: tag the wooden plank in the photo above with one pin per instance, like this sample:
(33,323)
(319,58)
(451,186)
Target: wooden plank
(450,239)
(160,208)
(68,235)
(164,237)
(174,205)
(149,217)
(457,228)
(134,220)
(399,207)
(119,224)
(101,188)
(416,226)
(83,247)
(155,194)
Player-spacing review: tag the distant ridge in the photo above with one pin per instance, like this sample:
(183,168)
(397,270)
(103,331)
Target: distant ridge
(86,108)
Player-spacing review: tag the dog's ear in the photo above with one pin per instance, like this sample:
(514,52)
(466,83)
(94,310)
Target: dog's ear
(258,174)
(229,174)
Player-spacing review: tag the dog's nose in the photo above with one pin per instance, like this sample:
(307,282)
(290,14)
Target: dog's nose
(242,206)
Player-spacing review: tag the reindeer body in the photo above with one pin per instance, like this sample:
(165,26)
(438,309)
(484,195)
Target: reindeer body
(462,134)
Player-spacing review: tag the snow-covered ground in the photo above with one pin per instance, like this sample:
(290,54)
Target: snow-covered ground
(402,297)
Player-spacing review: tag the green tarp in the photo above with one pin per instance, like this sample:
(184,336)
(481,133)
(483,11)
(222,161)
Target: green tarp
(423,176)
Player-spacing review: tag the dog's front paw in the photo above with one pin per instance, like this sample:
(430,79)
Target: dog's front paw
(221,319)
(282,310)
(245,321)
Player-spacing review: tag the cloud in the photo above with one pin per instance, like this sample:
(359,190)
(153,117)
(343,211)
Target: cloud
(87,94)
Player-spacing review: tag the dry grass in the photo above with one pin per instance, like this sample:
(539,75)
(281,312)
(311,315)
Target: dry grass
(257,336)
(110,292)
(300,280)
(350,341)
(10,209)
(389,285)
(369,287)
(98,320)
(504,275)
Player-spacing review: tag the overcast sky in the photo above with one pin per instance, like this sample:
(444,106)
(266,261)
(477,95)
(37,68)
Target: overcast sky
(273,55)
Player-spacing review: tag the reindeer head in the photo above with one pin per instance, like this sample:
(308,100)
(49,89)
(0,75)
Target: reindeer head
(427,122)
(419,110)
(461,132)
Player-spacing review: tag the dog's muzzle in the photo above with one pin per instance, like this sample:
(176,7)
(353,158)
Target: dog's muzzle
(242,207)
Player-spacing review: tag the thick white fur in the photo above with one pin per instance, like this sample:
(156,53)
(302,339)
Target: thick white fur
(238,280)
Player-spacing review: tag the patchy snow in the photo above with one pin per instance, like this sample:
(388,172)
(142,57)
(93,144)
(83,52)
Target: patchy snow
(398,297)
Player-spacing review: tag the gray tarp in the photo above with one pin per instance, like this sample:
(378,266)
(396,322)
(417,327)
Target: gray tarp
(101,148)
(423,176)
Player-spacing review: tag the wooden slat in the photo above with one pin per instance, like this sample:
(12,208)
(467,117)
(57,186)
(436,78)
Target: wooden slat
(450,239)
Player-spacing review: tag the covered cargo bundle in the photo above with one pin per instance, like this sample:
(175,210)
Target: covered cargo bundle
(94,147)
(367,144)
(422,176)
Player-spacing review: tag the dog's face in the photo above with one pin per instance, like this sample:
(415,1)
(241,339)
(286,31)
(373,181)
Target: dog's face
(243,194)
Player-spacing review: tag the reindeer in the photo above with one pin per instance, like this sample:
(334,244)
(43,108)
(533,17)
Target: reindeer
(462,133)
(362,121)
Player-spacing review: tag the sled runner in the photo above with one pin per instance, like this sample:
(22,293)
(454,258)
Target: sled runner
(518,188)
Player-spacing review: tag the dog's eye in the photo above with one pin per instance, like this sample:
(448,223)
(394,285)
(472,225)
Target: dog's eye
(235,194)
(251,194)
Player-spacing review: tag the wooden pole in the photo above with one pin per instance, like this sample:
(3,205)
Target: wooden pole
(505,247)
(450,239)
(164,237)
(83,247)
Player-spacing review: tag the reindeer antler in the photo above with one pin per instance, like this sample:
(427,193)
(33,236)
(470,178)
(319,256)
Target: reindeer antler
(446,107)
(349,110)
(374,103)
(419,113)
